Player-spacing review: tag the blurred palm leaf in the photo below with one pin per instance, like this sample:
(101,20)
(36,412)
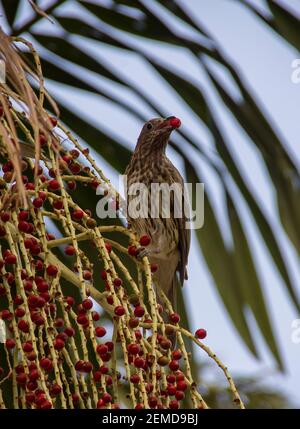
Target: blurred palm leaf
(255,391)
(233,269)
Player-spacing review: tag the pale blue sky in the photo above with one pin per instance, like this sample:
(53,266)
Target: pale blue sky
(265,61)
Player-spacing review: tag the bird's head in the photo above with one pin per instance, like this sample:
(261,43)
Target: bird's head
(156,132)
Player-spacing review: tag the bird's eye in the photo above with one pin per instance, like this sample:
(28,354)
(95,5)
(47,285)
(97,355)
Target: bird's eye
(149,126)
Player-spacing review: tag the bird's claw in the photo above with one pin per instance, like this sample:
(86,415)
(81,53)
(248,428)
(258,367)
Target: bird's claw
(141,253)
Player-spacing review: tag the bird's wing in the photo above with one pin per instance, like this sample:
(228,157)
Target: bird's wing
(184,239)
(184,233)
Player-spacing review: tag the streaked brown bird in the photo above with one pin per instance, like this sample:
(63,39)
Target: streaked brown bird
(170,239)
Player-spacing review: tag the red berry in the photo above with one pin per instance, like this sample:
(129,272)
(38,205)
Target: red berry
(95,316)
(174,318)
(72,185)
(102,349)
(46,364)
(53,185)
(10,259)
(133,349)
(107,398)
(100,331)
(59,344)
(30,396)
(8,166)
(135,379)
(21,378)
(55,389)
(52,270)
(10,343)
(70,250)
(108,247)
(87,304)
(110,345)
(6,315)
(5,216)
(79,365)
(139,311)
(38,202)
(27,347)
(138,334)
(18,300)
(153,401)
(97,376)
(59,322)
(154,268)
(176,355)
(117,282)
(42,139)
(119,311)
(106,357)
(82,319)
(181,385)
(19,368)
(58,204)
(174,405)
(87,367)
(69,331)
(139,362)
(110,300)
(23,326)
(175,122)
(174,365)
(133,323)
(53,121)
(132,250)
(33,301)
(87,275)
(200,333)
(100,404)
(103,369)
(171,378)
(77,214)
(70,301)
(46,405)
(34,375)
(75,398)
(23,215)
(74,153)
(145,240)
(35,250)
(43,286)
(179,395)
(171,389)
(10,278)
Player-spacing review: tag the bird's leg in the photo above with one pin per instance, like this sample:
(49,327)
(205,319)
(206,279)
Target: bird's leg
(159,247)
(141,253)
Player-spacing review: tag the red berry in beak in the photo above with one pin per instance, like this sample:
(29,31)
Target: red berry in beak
(175,122)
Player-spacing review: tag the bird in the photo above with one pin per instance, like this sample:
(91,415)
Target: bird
(169,237)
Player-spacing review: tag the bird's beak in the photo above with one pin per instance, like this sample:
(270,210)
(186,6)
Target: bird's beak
(170,123)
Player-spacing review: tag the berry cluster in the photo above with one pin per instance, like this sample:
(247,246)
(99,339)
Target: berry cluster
(80,322)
